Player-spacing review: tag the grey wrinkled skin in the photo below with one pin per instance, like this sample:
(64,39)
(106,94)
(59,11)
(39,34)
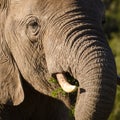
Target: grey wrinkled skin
(39,38)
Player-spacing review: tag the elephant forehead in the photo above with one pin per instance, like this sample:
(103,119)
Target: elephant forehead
(20,8)
(44,9)
(40,5)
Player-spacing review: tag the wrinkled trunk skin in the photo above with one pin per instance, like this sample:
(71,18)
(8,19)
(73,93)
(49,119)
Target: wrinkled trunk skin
(89,59)
(97,79)
(92,64)
(83,51)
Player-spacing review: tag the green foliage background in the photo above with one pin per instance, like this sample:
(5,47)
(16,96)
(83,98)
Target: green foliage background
(112,31)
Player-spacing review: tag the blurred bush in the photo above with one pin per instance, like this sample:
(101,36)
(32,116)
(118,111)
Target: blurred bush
(112,18)
(112,31)
(115,45)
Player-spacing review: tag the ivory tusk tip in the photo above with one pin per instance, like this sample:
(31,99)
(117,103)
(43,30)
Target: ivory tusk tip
(71,89)
(67,87)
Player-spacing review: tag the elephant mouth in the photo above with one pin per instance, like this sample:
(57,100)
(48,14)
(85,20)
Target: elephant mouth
(65,85)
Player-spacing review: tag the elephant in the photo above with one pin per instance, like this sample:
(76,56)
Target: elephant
(40,39)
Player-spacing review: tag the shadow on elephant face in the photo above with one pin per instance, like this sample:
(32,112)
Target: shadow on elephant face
(35,106)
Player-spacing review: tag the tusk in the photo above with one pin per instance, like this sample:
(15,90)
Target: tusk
(64,84)
(118,80)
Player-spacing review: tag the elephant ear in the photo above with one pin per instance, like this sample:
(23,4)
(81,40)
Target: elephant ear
(11,91)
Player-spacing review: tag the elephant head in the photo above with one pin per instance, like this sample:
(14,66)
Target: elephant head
(37,36)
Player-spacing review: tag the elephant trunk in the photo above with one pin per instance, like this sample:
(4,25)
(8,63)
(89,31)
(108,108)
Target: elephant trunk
(84,53)
(92,64)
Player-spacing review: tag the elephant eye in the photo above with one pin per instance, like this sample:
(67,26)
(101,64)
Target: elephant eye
(33,29)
